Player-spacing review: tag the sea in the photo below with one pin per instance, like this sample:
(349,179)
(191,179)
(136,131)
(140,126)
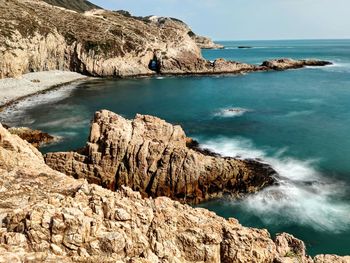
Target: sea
(298,121)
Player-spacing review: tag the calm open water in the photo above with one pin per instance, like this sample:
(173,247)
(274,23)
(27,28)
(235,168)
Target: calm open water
(297,120)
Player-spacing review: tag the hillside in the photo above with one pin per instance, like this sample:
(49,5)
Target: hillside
(76,5)
(36,36)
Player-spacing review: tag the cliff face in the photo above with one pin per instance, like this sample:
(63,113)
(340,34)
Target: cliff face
(46,216)
(36,36)
(151,156)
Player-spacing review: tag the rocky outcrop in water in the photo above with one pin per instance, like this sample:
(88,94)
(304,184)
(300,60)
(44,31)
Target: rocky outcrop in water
(151,156)
(46,216)
(34,137)
(285,63)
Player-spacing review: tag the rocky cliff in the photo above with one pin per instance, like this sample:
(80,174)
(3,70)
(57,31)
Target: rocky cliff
(46,216)
(36,36)
(154,157)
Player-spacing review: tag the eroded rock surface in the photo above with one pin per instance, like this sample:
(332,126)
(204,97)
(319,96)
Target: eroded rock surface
(36,36)
(46,216)
(151,156)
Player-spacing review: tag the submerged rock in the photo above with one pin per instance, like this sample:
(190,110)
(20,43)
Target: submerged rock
(152,156)
(244,47)
(34,137)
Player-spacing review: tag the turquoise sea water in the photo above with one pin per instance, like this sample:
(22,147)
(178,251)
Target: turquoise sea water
(297,120)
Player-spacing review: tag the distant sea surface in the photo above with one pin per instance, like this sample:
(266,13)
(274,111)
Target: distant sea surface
(298,121)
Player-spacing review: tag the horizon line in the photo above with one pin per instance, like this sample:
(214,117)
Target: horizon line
(280,39)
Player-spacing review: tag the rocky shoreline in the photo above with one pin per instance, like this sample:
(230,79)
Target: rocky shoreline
(15,89)
(110,202)
(46,216)
(104,43)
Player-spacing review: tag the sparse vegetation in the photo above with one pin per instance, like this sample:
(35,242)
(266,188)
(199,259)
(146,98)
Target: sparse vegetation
(76,5)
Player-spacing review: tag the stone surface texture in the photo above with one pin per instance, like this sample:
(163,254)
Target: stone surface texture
(46,216)
(151,156)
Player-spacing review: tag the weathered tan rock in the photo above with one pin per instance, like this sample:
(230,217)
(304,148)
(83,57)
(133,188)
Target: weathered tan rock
(331,259)
(291,249)
(36,36)
(46,216)
(151,156)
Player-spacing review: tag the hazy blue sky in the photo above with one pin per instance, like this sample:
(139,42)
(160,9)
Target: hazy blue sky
(249,19)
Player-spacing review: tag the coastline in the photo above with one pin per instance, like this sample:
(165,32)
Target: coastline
(30,84)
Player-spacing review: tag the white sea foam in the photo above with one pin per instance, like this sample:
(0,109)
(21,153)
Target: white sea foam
(340,67)
(299,113)
(75,122)
(303,196)
(308,100)
(231,112)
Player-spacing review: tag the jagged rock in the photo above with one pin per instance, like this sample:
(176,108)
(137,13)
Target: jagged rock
(291,249)
(46,216)
(151,156)
(34,137)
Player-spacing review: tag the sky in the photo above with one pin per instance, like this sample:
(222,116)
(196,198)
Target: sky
(249,19)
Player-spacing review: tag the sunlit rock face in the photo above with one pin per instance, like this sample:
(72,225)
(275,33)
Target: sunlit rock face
(154,157)
(46,216)
(36,36)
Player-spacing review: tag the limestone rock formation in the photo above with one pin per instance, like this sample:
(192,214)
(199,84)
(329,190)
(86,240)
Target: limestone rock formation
(151,156)
(46,216)
(36,36)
